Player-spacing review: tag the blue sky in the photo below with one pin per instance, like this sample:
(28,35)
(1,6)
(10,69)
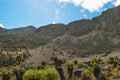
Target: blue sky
(20,13)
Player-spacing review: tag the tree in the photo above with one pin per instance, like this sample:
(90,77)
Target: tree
(70,67)
(113,60)
(82,65)
(86,74)
(19,72)
(96,70)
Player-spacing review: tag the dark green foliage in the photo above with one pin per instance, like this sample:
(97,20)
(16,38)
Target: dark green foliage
(113,60)
(58,63)
(82,65)
(77,73)
(86,75)
(95,60)
(6,75)
(96,70)
(70,67)
(12,57)
(6,60)
(40,67)
(61,72)
(19,72)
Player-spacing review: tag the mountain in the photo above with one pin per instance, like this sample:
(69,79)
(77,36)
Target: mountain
(96,35)
(19,31)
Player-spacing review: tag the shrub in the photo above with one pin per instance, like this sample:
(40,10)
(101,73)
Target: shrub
(113,60)
(86,74)
(6,75)
(19,72)
(94,60)
(34,75)
(51,74)
(96,70)
(82,65)
(40,67)
(70,65)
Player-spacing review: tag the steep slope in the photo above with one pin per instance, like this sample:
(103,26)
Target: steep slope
(81,27)
(99,34)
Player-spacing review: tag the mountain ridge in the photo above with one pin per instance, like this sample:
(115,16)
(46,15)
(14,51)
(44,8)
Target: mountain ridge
(98,34)
(21,30)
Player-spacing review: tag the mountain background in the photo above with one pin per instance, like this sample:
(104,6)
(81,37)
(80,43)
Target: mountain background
(94,36)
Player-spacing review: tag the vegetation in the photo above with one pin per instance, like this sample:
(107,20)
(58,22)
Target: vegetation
(34,75)
(12,57)
(19,72)
(6,75)
(77,39)
(106,70)
(49,74)
(86,74)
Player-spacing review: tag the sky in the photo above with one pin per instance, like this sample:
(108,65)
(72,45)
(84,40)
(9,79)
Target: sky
(21,13)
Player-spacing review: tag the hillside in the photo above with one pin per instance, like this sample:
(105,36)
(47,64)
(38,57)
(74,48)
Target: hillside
(97,35)
(18,31)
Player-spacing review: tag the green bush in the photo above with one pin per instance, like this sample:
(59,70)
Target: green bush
(40,67)
(49,74)
(52,74)
(94,60)
(34,75)
(95,65)
(82,65)
(86,75)
(113,59)
(70,65)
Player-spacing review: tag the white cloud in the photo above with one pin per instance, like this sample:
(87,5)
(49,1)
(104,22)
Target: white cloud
(84,15)
(63,0)
(57,15)
(94,5)
(116,3)
(76,2)
(82,10)
(1,25)
(56,12)
(53,22)
(90,5)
